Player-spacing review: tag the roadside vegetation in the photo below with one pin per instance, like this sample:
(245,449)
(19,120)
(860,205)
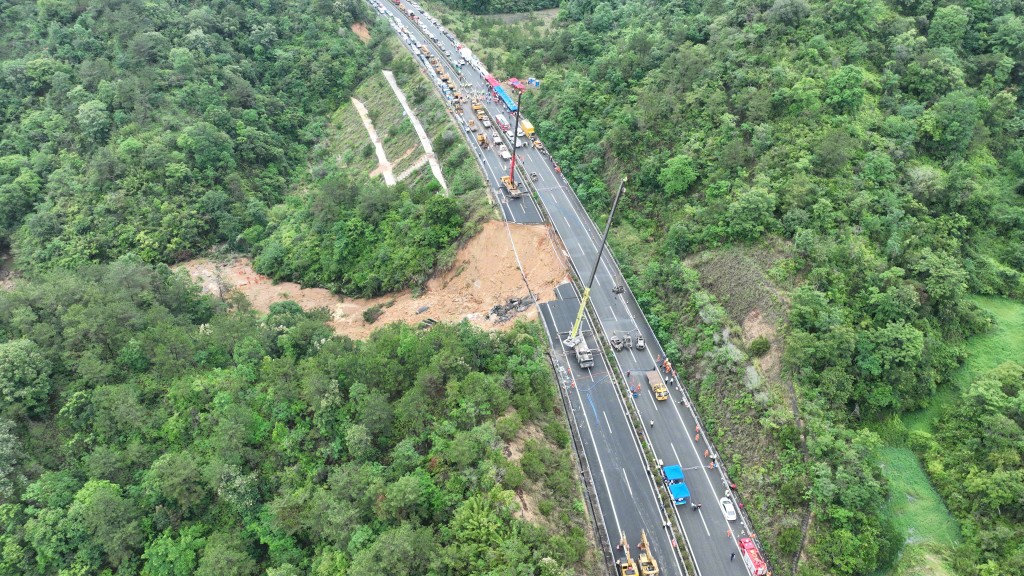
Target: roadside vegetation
(875,149)
(348,231)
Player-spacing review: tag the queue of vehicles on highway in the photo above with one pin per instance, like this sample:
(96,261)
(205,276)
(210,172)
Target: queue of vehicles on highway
(524,136)
(490,132)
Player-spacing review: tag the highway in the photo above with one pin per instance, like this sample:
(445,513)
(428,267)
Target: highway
(617,469)
(618,476)
(522,210)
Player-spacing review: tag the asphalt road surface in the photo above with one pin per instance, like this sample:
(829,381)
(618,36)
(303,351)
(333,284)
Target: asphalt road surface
(626,502)
(618,475)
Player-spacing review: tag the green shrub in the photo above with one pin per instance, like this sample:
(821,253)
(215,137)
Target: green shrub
(371,314)
(760,346)
(508,426)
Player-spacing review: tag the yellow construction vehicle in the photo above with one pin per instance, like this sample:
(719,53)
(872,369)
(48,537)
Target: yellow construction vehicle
(627,567)
(511,187)
(648,565)
(482,140)
(472,125)
(477,105)
(657,384)
(479,114)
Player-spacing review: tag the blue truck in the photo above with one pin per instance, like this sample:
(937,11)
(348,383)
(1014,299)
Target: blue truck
(675,484)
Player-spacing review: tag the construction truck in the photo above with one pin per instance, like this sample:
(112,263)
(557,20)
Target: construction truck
(480,115)
(424,51)
(658,387)
(526,127)
(648,565)
(627,567)
(481,140)
(584,355)
(514,191)
(752,558)
(472,125)
(477,105)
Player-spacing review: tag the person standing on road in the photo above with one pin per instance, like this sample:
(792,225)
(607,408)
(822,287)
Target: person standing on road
(652,423)
(732,557)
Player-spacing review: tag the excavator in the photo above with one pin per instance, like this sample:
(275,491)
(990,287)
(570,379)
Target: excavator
(627,567)
(648,565)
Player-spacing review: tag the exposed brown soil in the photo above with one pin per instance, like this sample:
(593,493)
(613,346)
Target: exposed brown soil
(484,274)
(6,271)
(755,326)
(528,497)
(360,29)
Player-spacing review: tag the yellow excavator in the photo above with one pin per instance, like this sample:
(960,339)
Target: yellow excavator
(627,567)
(648,565)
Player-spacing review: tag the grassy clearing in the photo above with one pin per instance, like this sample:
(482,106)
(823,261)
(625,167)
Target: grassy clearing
(915,506)
(922,560)
(984,352)
(351,145)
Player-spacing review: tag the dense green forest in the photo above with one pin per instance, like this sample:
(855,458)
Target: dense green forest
(160,128)
(146,430)
(876,146)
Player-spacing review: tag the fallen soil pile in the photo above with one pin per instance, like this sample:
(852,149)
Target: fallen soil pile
(485,275)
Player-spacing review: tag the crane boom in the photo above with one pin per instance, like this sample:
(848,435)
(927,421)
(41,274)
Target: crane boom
(574,336)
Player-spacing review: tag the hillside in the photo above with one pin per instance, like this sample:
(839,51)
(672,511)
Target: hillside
(147,428)
(872,150)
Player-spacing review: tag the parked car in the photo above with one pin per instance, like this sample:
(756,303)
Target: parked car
(728,508)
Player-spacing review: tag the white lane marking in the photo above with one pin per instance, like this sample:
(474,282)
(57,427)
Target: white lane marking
(626,478)
(590,432)
(700,512)
(607,422)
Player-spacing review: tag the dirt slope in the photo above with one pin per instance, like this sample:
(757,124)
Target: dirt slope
(485,273)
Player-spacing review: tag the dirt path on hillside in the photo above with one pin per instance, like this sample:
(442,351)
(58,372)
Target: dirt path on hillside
(435,166)
(382,159)
(484,274)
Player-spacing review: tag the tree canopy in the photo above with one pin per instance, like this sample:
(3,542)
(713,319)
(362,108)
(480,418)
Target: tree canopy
(160,433)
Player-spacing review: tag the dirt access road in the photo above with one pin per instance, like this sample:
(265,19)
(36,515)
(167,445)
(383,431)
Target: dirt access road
(485,273)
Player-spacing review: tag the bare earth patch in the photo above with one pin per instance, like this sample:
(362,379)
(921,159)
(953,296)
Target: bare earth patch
(484,274)
(754,326)
(361,31)
(528,497)
(6,271)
